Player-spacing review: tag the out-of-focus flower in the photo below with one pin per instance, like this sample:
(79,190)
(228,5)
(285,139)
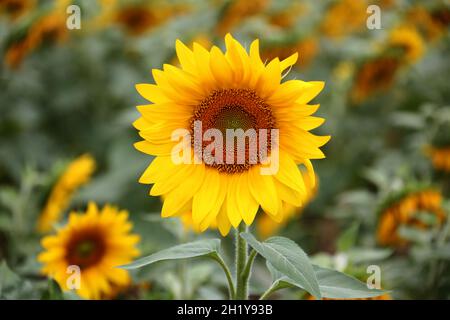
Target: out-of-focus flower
(440,157)
(236,11)
(97,242)
(49,28)
(406,210)
(267,227)
(408,42)
(16,8)
(433,23)
(137,19)
(385,296)
(307,49)
(77,173)
(374,76)
(232,90)
(344,17)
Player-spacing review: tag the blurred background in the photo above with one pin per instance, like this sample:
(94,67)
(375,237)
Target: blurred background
(67,99)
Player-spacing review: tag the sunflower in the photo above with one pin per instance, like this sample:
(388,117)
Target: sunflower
(408,210)
(220,91)
(344,17)
(267,227)
(307,49)
(287,17)
(96,241)
(16,8)
(440,157)
(136,19)
(432,23)
(374,76)
(408,41)
(236,11)
(77,173)
(47,29)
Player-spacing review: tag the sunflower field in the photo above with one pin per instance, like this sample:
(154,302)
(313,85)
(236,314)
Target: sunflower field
(106,192)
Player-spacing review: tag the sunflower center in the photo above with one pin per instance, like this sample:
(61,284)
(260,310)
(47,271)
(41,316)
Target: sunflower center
(238,115)
(85,250)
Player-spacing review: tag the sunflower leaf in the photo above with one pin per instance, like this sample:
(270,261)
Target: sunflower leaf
(183,251)
(333,284)
(288,259)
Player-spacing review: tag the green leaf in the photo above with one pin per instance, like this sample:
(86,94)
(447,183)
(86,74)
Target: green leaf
(289,259)
(183,251)
(333,284)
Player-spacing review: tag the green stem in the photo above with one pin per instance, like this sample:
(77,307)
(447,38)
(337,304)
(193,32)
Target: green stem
(274,287)
(248,266)
(241,261)
(225,268)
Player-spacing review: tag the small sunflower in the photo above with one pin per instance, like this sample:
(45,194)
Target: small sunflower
(77,173)
(231,90)
(374,76)
(97,242)
(137,19)
(440,157)
(267,227)
(406,210)
(408,41)
(16,8)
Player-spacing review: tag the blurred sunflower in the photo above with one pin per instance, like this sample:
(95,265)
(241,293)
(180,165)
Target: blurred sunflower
(409,209)
(374,76)
(408,42)
(307,49)
(440,157)
(232,90)
(137,19)
(16,8)
(344,17)
(433,23)
(236,11)
(49,28)
(267,227)
(77,173)
(97,242)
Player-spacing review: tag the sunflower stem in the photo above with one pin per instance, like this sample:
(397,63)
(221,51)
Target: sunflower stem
(241,261)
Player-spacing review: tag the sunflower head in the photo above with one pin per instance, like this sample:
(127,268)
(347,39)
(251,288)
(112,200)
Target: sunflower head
(77,173)
(16,8)
(412,209)
(407,42)
(96,242)
(228,135)
(374,76)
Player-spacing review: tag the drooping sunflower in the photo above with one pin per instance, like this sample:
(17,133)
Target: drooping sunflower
(77,173)
(267,227)
(97,242)
(231,90)
(408,42)
(409,209)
